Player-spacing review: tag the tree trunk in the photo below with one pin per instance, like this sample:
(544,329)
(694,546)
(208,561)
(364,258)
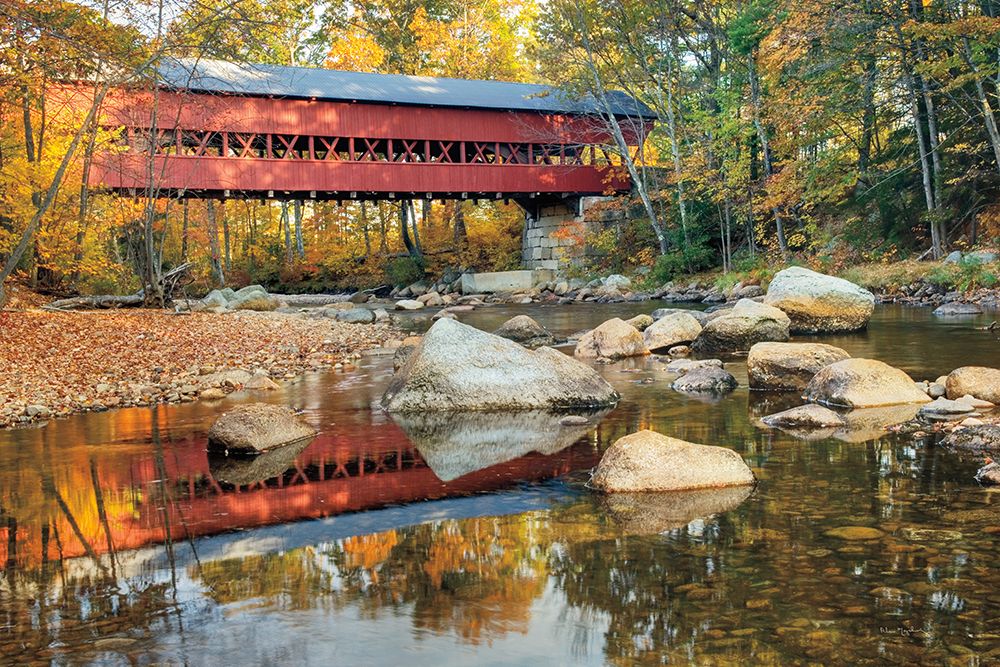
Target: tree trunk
(364,229)
(286,224)
(413,224)
(226,246)
(213,245)
(300,248)
(765,149)
(404,228)
(459,236)
(184,231)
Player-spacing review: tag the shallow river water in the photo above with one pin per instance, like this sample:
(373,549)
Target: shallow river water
(423,543)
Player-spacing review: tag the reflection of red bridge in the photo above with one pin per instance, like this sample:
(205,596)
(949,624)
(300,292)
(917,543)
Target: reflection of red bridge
(333,475)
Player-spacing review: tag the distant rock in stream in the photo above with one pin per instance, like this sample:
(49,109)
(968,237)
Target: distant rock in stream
(255,428)
(818,303)
(459,367)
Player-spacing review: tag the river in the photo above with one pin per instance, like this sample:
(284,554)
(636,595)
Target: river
(124,543)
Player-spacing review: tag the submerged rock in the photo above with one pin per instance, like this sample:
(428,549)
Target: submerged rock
(957,308)
(649,461)
(741,328)
(805,417)
(862,383)
(526,331)
(648,513)
(705,379)
(942,406)
(818,303)
(977,381)
(614,339)
(682,366)
(853,533)
(257,427)
(458,367)
(975,439)
(789,366)
(667,332)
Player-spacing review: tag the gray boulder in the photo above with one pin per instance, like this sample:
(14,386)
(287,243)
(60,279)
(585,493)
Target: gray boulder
(526,331)
(614,339)
(741,328)
(215,299)
(649,461)
(978,381)
(257,427)
(817,303)
(458,367)
(788,366)
(356,316)
(408,304)
(674,329)
(705,379)
(862,383)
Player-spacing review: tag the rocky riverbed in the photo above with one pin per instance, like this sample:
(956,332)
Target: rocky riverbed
(56,364)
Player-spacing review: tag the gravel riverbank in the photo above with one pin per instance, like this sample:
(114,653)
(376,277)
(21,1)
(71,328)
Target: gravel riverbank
(56,364)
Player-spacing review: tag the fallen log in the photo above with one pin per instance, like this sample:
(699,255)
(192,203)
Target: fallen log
(171,281)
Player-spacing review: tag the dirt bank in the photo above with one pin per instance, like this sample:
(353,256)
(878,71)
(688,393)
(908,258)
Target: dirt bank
(55,364)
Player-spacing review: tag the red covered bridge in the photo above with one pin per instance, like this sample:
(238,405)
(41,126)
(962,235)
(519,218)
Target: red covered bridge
(218,129)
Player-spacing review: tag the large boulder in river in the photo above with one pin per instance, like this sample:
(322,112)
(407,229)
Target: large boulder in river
(649,461)
(614,339)
(458,367)
(977,381)
(789,366)
(255,428)
(741,328)
(526,331)
(817,303)
(862,383)
(674,329)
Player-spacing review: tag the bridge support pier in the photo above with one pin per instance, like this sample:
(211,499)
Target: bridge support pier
(556,232)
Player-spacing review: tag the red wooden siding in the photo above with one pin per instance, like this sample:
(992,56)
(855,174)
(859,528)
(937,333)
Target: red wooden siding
(226,145)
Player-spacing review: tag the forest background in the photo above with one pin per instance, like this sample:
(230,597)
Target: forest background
(821,132)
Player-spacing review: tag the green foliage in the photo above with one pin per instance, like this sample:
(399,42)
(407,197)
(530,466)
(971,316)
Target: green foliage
(973,275)
(404,271)
(683,260)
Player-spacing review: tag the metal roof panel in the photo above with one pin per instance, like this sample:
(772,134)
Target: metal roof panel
(219,76)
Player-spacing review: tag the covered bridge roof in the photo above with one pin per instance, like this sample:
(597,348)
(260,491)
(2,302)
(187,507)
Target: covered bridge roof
(222,77)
